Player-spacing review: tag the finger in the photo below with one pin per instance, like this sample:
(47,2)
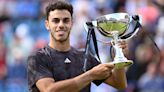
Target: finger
(109,65)
(122,44)
(110,74)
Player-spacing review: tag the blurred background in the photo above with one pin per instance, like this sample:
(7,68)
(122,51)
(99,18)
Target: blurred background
(22,32)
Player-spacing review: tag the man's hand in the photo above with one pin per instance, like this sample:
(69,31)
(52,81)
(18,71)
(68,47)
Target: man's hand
(101,71)
(122,44)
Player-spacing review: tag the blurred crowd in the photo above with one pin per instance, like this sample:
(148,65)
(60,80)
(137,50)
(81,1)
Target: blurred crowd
(22,32)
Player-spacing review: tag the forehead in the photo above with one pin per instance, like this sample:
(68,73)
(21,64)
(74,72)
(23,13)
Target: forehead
(59,14)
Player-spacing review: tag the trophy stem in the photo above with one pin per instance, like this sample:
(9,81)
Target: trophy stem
(119,56)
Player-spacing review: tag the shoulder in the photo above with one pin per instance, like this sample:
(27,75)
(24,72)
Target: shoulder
(41,52)
(39,55)
(82,52)
(77,51)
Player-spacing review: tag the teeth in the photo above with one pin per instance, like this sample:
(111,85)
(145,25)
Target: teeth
(61,31)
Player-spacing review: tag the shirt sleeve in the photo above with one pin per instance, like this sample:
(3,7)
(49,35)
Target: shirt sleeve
(37,69)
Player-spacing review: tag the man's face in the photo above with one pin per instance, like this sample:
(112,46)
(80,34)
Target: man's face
(59,24)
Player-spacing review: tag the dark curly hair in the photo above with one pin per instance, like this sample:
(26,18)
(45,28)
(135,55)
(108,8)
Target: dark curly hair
(58,4)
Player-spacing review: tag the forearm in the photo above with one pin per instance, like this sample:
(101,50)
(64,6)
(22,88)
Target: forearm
(118,79)
(71,85)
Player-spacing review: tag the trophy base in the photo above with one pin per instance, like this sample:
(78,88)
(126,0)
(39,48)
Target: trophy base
(122,64)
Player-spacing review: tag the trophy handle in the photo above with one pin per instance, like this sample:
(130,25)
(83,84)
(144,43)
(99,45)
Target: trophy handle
(89,27)
(138,20)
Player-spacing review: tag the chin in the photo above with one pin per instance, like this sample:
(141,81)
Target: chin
(62,40)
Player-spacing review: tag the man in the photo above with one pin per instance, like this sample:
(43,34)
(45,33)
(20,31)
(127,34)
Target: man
(58,67)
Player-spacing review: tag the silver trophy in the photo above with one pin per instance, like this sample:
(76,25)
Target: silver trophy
(116,26)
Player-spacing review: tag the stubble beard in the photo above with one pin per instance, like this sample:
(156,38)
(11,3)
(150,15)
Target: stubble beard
(60,40)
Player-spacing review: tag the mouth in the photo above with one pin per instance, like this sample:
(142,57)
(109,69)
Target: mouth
(61,32)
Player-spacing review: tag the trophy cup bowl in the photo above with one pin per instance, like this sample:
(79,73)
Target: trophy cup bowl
(113,22)
(114,26)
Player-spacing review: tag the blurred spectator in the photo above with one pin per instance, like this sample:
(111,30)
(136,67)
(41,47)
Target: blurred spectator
(19,49)
(148,18)
(21,44)
(142,52)
(150,81)
(24,8)
(160,22)
(81,15)
(132,5)
(120,6)
(39,44)
(3,67)
(160,33)
(153,79)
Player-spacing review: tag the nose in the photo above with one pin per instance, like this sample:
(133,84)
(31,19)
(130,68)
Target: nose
(61,24)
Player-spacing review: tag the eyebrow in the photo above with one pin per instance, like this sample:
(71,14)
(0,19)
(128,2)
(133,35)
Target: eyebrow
(66,19)
(63,18)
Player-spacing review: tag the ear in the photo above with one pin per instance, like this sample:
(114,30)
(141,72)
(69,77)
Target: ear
(47,25)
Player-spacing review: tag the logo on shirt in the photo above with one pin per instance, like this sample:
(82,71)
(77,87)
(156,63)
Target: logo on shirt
(67,60)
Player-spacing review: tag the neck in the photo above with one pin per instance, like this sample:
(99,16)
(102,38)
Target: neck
(60,46)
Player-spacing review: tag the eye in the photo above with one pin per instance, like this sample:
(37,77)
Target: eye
(66,20)
(56,20)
